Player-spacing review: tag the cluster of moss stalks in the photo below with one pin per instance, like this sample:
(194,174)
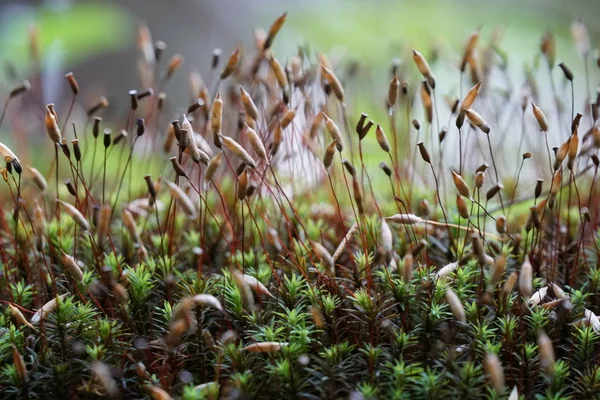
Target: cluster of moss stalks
(245,247)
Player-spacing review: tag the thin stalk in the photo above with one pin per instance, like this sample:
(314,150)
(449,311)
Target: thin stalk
(495,169)
(437,190)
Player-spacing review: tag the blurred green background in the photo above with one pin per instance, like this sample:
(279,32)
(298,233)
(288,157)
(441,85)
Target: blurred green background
(97,39)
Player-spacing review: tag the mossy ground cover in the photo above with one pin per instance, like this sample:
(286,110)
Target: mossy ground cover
(239,241)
